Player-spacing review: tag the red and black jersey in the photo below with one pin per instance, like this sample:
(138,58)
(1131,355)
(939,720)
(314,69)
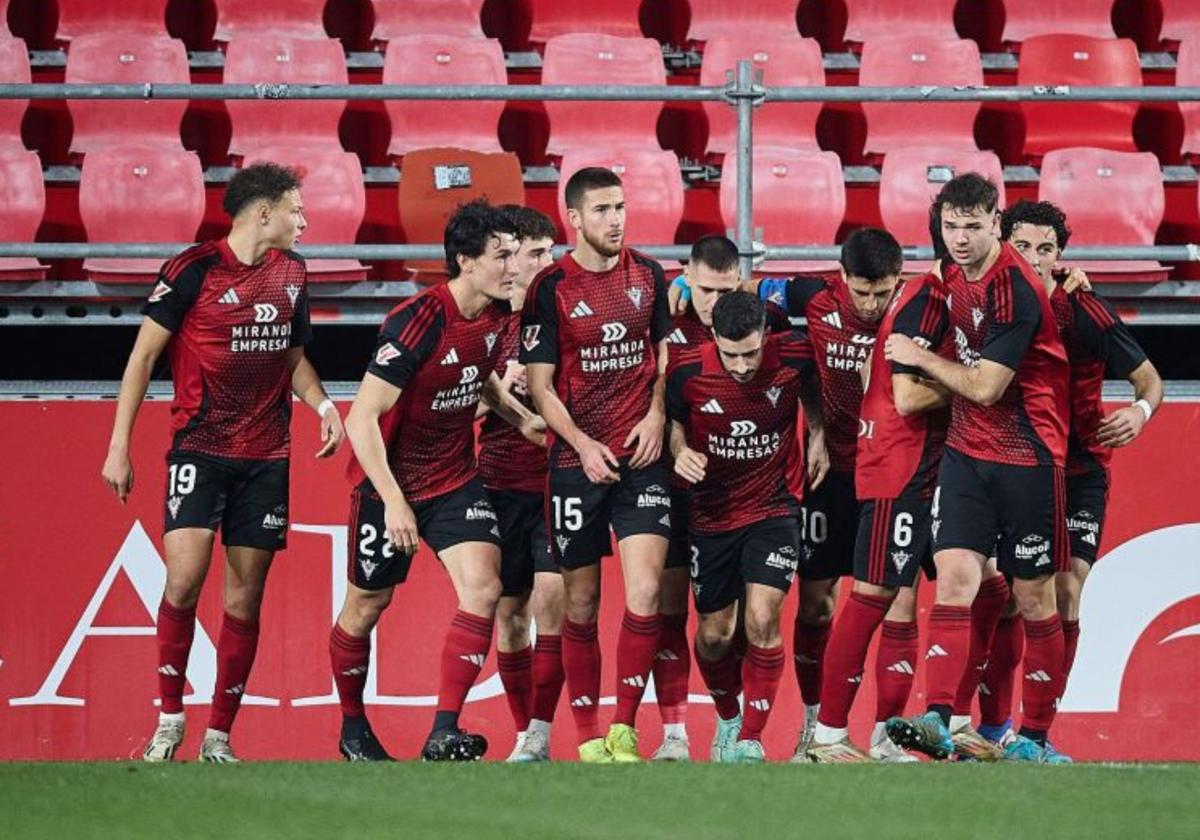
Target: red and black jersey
(600,330)
(746,430)
(232,326)
(1096,340)
(507,460)
(842,341)
(440,361)
(1005,317)
(899,455)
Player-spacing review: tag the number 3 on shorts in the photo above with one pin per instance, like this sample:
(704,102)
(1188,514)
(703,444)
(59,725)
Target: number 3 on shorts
(568,513)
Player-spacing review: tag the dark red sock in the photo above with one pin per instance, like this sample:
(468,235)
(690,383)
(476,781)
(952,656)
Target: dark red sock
(1042,686)
(761,671)
(1070,643)
(848,643)
(672,668)
(808,652)
(236,647)
(996,687)
(463,655)
(516,675)
(636,645)
(350,657)
(581,662)
(548,676)
(895,666)
(176,627)
(946,655)
(986,611)
(723,678)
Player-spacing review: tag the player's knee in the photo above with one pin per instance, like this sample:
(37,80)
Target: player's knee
(641,594)
(182,593)
(363,609)
(512,627)
(1035,598)
(816,608)
(957,585)
(713,639)
(1066,595)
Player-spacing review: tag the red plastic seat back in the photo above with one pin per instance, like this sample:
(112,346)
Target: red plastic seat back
(593,59)
(398,18)
(22,205)
(126,58)
(653,190)
(1078,61)
(867,20)
(285,60)
(910,179)
(444,60)
(720,18)
(294,18)
(789,61)
(1180,19)
(1028,18)
(920,60)
(14,70)
(1187,74)
(84,17)
(552,18)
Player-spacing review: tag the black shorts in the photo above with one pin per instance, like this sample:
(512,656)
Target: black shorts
(1025,507)
(524,548)
(1087,502)
(828,528)
(247,500)
(462,515)
(765,552)
(579,513)
(679,555)
(894,541)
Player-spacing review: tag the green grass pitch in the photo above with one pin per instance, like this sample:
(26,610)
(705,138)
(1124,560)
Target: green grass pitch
(566,800)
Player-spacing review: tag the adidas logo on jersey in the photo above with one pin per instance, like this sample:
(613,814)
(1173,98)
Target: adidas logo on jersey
(762,705)
(168,671)
(712,407)
(901,667)
(368,567)
(676,336)
(230,297)
(450,358)
(582,702)
(637,681)
(476,659)
(1038,676)
(936,650)
(834,319)
(274,522)
(582,310)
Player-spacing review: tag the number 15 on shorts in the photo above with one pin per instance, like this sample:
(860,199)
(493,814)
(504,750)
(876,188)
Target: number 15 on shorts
(568,512)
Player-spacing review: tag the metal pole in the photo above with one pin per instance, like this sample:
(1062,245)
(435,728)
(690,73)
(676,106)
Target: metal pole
(743,91)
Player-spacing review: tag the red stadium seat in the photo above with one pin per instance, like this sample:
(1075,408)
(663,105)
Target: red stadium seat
(432,185)
(444,60)
(653,190)
(83,17)
(22,204)
(257,18)
(1027,18)
(920,60)
(719,18)
(799,199)
(1187,74)
(867,20)
(786,60)
(285,60)
(588,59)
(14,70)
(552,18)
(397,18)
(124,58)
(335,202)
(138,194)
(1078,60)
(911,177)
(1180,18)
(1110,198)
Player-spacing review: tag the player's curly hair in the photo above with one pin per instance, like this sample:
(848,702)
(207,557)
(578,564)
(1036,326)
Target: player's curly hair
(872,254)
(470,229)
(259,181)
(1040,213)
(967,192)
(529,223)
(738,314)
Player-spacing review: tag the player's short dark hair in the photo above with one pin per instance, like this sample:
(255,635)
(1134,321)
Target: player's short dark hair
(1040,213)
(967,191)
(257,182)
(587,179)
(529,223)
(470,229)
(872,254)
(715,251)
(738,314)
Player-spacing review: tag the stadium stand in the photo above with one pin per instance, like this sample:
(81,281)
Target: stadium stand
(120,57)
(1187,73)
(586,58)
(552,18)
(280,59)
(138,194)
(799,198)
(83,17)
(1110,198)
(22,205)
(784,60)
(397,18)
(1028,18)
(291,18)
(14,69)
(443,60)
(717,18)
(1179,19)
(920,60)
(1078,60)
(867,20)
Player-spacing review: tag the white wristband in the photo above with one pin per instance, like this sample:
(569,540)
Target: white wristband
(325,405)
(1145,407)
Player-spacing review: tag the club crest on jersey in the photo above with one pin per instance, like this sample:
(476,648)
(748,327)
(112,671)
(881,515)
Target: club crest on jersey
(490,341)
(173,504)
(900,559)
(160,292)
(368,567)
(293,292)
(386,353)
(976,316)
(529,337)
(562,542)
(635,295)
(773,394)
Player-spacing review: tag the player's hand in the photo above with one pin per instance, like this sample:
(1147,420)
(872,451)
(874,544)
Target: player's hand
(332,432)
(400,524)
(117,473)
(599,462)
(647,436)
(677,302)
(690,465)
(1076,279)
(519,384)
(1121,427)
(902,349)
(533,429)
(817,459)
